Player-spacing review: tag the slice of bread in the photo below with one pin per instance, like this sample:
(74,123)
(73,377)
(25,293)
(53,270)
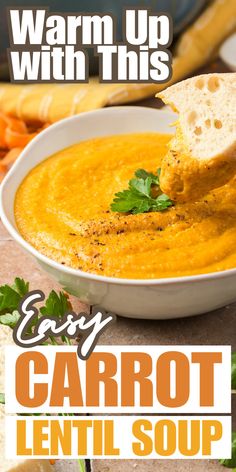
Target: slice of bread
(207,113)
(202,155)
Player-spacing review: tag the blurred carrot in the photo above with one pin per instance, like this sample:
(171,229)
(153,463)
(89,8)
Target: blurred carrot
(7,123)
(14,136)
(7,160)
(14,139)
(14,123)
(2,132)
(3,171)
(11,156)
(3,153)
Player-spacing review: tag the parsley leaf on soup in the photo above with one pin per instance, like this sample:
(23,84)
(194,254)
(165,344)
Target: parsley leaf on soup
(143,174)
(140,196)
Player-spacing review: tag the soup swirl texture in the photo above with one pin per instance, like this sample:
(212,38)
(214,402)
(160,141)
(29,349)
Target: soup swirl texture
(62,208)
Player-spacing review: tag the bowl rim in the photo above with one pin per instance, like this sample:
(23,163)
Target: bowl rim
(77,272)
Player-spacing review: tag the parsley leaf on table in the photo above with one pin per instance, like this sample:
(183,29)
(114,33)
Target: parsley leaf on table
(20,286)
(10,319)
(233,371)
(139,197)
(56,305)
(10,296)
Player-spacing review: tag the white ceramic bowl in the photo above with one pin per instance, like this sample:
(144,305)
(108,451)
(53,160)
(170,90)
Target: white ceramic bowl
(153,299)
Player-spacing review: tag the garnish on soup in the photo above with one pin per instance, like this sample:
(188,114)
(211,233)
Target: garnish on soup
(142,195)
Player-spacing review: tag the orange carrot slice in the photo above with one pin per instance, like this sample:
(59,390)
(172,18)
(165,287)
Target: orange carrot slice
(11,156)
(7,125)
(14,123)
(14,136)
(14,139)
(3,152)
(3,171)
(2,132)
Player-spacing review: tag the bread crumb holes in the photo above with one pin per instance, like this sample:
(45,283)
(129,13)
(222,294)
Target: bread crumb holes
(213,84)
(218,124)
(199,84)
(198,130)
(192,118)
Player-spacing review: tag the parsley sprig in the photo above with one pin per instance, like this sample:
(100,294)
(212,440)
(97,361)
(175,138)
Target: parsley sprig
(11,295)
(142,195)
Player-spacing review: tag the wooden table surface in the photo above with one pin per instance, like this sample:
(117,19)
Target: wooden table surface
(217,327)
